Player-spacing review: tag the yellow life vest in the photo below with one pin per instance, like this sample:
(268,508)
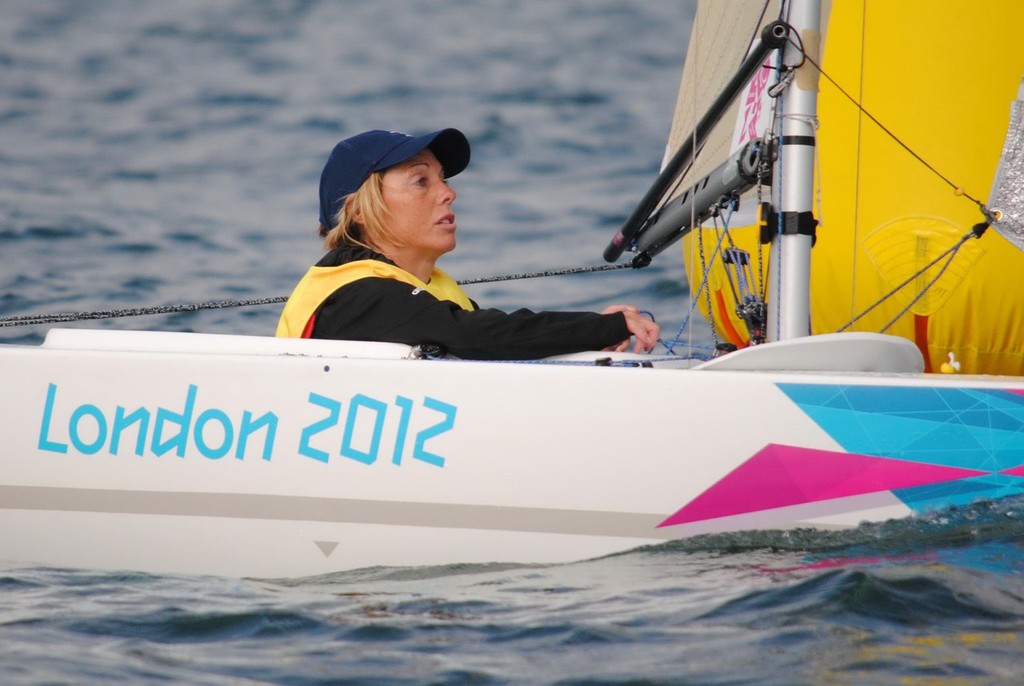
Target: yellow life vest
(319,282)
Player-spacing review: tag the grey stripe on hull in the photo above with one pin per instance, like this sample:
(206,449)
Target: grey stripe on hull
(347,510)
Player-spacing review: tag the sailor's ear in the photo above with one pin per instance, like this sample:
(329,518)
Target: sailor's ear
(357,214)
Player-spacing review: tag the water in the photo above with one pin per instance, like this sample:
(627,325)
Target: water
(160,153)
(164,153)
(933,601)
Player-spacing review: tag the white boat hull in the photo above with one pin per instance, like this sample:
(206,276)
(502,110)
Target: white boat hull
(260,457)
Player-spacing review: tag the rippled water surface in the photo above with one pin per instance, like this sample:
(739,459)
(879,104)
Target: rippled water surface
(160,152)
(933,601)
(157,153)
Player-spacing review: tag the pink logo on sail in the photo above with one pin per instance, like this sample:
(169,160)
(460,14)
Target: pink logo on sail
(752,106)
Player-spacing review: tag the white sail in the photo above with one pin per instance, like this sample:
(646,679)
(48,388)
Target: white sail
(712,57)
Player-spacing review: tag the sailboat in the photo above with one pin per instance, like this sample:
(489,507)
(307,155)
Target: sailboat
(908,136)
(264,457)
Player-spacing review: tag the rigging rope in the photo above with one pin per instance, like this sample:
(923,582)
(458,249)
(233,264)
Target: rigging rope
(30,319)
(959,190)
(975,232)
(951,252)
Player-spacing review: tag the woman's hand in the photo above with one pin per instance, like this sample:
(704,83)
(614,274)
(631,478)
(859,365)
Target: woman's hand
(643,328)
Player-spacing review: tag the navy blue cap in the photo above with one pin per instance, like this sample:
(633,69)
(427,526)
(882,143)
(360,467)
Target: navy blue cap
(355,158)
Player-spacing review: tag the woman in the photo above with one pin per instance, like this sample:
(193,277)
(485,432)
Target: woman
(386,217)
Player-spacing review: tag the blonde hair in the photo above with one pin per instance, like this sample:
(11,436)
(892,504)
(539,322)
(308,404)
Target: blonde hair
(362,219)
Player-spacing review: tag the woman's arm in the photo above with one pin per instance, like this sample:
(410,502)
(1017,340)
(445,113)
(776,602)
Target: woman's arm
(374,309)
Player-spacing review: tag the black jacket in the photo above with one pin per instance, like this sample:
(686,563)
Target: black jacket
(376,309)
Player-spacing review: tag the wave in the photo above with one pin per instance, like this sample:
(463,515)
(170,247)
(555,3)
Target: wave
(981,522)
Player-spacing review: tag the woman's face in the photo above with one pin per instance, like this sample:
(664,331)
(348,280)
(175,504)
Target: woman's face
(419,202)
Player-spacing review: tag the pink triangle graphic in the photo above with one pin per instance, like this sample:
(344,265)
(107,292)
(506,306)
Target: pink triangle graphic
(781,475)
(1015,471)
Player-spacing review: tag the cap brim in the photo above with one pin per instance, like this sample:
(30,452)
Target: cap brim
(450,146)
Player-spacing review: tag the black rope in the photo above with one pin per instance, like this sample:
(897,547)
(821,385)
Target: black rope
(23,320)
(30,319)
(558,272)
